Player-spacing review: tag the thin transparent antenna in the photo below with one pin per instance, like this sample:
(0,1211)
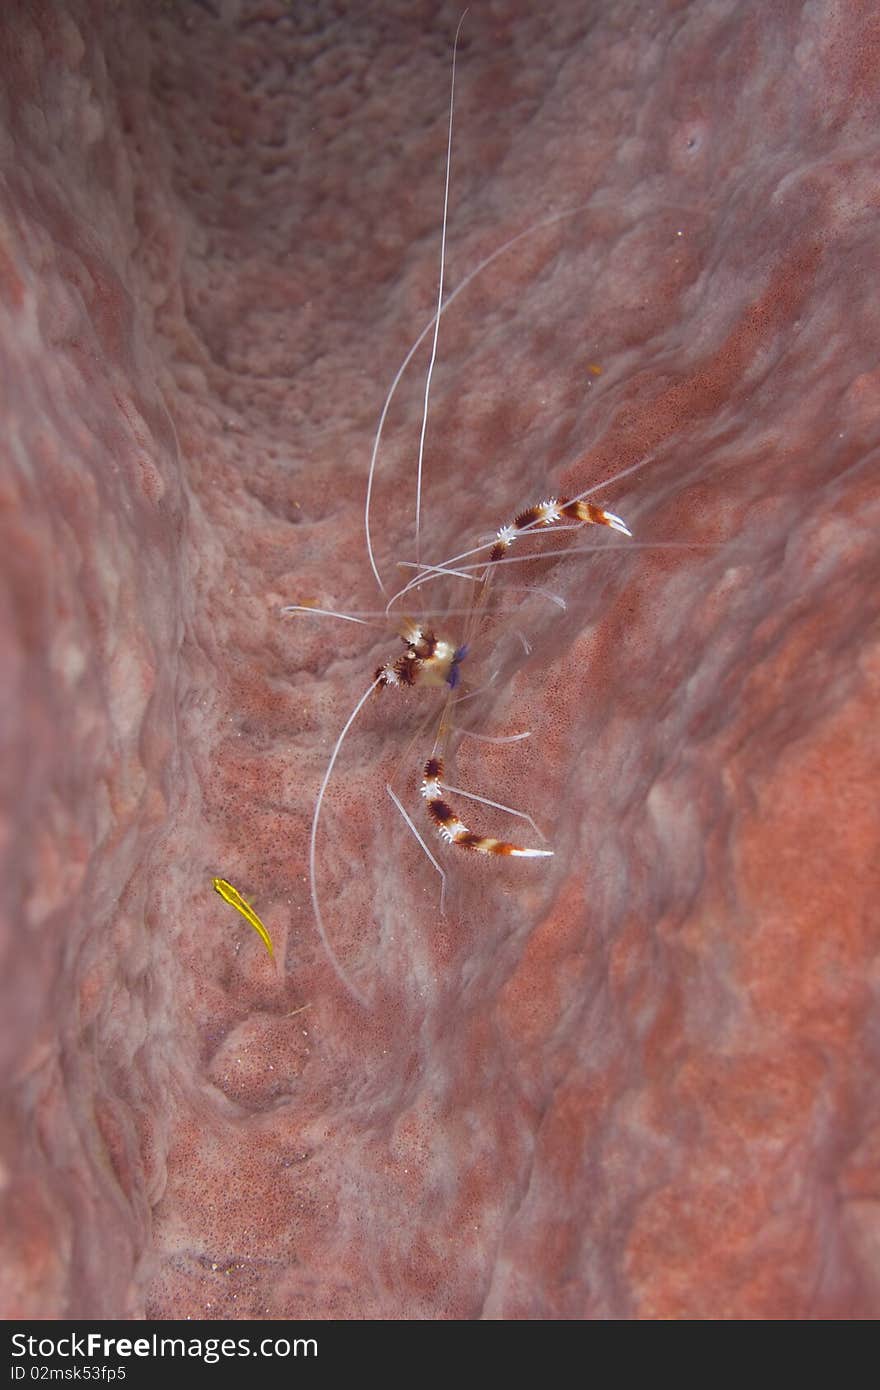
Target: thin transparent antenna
(328,613)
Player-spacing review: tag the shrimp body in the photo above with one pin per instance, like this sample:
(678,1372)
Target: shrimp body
(234,898)
(428,660)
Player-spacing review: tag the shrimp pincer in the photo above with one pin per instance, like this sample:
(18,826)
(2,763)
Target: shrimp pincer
(550,513)
(454,832)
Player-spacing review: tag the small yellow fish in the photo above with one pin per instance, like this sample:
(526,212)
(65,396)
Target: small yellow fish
(233,897)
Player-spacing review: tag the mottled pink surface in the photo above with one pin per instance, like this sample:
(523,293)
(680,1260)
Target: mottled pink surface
(639,1079)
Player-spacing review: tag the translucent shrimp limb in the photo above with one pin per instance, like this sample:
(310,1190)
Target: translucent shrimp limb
(455,832)
(496,738)
(313,852)
(555,510)
(480,567)
(234,898)
(442,872)
(324,613)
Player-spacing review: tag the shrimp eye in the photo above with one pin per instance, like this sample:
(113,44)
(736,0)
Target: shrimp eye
(454,676)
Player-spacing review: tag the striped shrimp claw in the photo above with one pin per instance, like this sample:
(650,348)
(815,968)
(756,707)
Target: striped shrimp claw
(553,512)
(454,831)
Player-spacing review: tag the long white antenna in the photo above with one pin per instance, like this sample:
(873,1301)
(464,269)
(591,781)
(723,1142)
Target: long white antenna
(439,296)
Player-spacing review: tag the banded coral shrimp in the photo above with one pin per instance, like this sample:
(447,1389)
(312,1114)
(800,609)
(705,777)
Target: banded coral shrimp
(467,597)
